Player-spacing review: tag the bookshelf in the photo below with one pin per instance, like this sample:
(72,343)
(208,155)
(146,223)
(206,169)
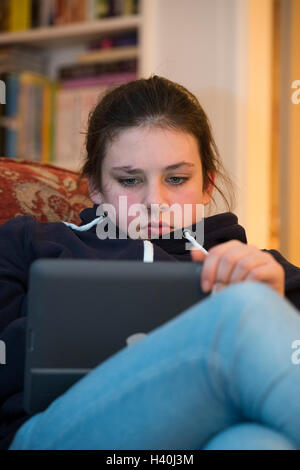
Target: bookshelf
(62,46)
(207,47)
(64,35)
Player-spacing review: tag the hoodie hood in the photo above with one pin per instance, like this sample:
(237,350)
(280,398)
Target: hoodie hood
(218,229)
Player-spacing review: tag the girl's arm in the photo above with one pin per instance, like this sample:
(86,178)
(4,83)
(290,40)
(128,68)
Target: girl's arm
(13,288)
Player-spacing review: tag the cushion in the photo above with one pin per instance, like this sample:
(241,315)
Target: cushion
(45,191)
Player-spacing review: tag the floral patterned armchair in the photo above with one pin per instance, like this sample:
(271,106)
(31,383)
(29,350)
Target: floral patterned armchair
(47,192)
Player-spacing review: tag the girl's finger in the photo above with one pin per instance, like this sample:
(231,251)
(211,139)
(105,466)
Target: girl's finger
(246,264)
(212,260)
(197,255)
(229,260)
(270,274)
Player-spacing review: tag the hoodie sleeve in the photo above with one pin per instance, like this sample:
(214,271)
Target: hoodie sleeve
(292,278)
(14,265)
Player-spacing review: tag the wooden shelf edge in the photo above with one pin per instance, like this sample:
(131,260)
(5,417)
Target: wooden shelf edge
(71,31)
(109,55)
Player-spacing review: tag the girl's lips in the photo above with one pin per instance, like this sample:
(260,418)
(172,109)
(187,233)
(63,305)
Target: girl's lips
(160,229)
(158,225)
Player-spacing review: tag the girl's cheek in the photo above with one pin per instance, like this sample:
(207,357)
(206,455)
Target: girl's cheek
(191,211)
(122,209)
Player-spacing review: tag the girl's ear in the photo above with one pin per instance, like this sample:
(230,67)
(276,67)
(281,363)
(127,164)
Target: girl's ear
(95,195)
(207,193)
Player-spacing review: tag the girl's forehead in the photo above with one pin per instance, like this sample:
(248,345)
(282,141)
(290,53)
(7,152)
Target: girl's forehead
(152,133)
(137,145)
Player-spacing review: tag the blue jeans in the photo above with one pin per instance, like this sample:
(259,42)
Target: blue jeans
(219,376)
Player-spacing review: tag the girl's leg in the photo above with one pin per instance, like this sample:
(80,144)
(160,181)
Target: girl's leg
(249,436)
(223,361)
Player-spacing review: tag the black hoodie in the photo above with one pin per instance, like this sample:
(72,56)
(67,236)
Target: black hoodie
(23,240)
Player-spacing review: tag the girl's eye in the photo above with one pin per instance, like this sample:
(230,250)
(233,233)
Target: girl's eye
(183,180)
(124,181)
(177,180)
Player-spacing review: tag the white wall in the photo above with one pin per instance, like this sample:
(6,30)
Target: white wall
(205,46)
(195,43)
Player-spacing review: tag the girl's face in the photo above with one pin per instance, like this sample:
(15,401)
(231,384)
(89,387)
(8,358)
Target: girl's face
(150,165)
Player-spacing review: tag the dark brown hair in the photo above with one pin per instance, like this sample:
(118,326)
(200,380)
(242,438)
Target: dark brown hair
(155,101)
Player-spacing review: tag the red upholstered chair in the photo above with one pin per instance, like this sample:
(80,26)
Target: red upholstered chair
(47,192)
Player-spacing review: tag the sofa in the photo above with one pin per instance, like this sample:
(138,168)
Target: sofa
(45,191)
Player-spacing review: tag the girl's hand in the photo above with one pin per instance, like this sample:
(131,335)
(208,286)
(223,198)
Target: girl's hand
(234,261)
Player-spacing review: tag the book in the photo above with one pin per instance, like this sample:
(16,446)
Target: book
(4,15)
(106,79)
(79,70)
(18,59)
(34,128)
(73,105)
(19,15)
(47,13)
(108,55)
(102,9)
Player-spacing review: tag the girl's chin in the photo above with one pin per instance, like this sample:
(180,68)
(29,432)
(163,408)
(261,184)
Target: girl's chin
(148,233)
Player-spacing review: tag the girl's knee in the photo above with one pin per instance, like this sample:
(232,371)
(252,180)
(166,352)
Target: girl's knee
(254,303)
(250,436)
(249,291)
(253,296)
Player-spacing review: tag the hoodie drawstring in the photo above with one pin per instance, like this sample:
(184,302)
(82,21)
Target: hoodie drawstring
(148,246)
(190,238)
(83,228)
(148,252)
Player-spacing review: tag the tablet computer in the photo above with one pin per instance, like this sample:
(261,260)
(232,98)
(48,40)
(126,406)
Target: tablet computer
(81,312)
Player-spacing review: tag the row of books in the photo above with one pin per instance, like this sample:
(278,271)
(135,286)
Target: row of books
(19,15)
(46,120)
(18,59)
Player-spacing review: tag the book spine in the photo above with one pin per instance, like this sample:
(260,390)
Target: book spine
(20,15)
(35,13)
(13,12)
(90,10)
(46,110)
(93,69)
(109,79)
(59,12)
(26,19)
(4,15)
(10,134)
(54,91)
(128,7)
(78,8)
(102,8)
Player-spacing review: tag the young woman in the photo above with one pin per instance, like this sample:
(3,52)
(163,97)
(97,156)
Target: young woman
(222,375)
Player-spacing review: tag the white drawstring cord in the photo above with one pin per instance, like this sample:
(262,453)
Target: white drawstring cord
(148,252)
(83,228)
(188,236)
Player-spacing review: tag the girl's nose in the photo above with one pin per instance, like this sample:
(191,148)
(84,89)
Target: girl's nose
(156,195)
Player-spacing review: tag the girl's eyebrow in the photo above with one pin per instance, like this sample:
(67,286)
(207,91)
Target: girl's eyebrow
(131,170)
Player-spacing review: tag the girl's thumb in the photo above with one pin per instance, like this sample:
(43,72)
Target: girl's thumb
(197,255)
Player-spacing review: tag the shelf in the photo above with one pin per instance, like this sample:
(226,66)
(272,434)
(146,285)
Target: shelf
(71,33)
(109,55)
